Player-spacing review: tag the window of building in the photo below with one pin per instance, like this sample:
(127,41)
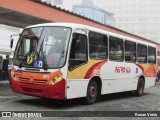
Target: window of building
(98,46)
(142,53)
(130,51)
(116,51)
(151,55)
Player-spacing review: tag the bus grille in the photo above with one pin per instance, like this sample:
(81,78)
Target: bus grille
(24,80)
(33,90)
(35,81)
(39,82)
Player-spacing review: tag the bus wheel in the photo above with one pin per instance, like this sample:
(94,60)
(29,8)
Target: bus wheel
(92,93)
(140,87)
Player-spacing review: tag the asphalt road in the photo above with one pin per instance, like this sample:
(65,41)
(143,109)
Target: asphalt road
(121,102)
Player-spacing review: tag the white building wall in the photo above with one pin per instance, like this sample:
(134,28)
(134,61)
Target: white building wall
(5,33)
(140,17)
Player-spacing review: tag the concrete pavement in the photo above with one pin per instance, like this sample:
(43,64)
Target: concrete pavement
(4,84)
(4,81)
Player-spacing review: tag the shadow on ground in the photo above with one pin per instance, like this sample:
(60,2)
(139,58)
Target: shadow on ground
(64,104)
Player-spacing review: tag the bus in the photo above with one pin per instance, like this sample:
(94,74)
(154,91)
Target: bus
(67,60)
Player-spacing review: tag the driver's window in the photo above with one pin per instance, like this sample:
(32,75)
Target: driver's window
(78,53)
(33,45)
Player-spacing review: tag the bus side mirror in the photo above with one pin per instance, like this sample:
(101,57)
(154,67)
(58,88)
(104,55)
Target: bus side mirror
(12,39)
(11,43)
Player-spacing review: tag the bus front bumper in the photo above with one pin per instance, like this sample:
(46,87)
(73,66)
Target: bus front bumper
(56,91)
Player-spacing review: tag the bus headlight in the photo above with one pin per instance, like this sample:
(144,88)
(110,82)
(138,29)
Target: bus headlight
(56,79)
(13,75)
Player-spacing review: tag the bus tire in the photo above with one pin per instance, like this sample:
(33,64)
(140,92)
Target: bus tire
(140,87)
(92,93)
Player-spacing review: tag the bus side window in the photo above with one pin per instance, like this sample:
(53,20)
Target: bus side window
(142,53)
(78,53)
(116,51)
(130,51)
(98,46)
(151,55)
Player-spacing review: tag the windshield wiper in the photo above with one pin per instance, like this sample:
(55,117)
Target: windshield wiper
(44,66)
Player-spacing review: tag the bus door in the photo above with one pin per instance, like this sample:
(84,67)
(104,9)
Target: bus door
(78,55)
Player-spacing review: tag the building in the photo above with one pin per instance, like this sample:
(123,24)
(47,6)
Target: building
(85,8)
(5,33)
(88,9)
(140,17)
(64,4)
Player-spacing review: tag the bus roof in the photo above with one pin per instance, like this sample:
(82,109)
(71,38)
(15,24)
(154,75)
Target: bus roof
(75,26)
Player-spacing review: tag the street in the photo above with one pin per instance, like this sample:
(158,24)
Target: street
(150,101)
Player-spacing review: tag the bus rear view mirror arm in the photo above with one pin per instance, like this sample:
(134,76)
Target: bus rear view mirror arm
(11,43)
(12,39)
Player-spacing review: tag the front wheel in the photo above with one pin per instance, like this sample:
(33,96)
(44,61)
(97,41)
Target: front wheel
(140,87)
(92,93)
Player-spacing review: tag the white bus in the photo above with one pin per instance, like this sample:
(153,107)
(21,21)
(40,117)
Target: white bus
(66,60)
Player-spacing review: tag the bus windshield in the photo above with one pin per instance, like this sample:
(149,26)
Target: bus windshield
(42,46)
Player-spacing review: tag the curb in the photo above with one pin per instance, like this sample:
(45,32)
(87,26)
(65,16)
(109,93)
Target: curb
(4,82)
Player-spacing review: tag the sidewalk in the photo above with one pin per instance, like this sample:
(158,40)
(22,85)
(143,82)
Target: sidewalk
(4,81)
(4,84)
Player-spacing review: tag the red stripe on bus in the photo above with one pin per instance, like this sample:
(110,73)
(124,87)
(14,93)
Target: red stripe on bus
(89,72)
(140,67)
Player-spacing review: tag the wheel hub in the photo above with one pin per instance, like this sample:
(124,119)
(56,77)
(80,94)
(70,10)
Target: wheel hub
(92,92)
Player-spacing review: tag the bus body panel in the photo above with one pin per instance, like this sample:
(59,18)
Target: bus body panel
(76,88)
(55,92)
(118,85)
(150,81)
(37,83)
(78,78)
(115,77)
